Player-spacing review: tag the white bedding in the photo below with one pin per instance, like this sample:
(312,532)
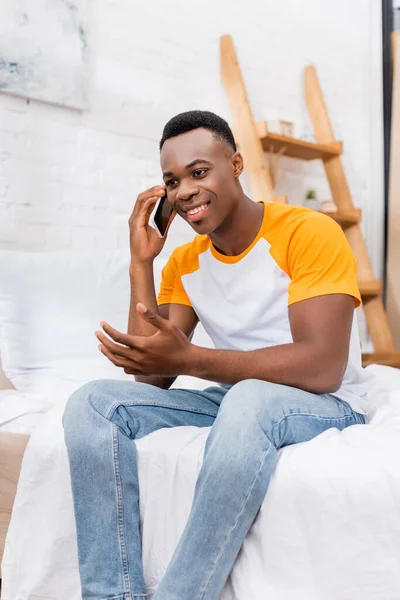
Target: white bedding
(20,412)
(329,527)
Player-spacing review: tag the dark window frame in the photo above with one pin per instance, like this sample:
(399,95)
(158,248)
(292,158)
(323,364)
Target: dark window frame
(387,28)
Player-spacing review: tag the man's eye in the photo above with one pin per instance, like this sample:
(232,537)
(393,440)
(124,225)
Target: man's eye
(170,182)
(199,172)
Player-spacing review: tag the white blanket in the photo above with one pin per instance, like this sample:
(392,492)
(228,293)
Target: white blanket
(328,529)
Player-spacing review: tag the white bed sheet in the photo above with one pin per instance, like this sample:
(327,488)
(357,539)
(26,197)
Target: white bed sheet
(21,412)
(328,529)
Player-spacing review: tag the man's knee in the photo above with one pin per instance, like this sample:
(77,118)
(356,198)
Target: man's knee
(100,395)
(245,420)
(254,399)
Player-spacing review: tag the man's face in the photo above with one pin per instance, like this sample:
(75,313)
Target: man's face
(200,173)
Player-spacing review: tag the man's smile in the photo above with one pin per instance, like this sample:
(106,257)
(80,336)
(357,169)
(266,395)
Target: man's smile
(197,212)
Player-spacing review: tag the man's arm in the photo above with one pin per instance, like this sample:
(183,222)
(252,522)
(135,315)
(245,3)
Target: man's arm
(183,317)
(145,246)
(315,361)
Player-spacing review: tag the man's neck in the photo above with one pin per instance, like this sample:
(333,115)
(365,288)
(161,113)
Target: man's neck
(240,229)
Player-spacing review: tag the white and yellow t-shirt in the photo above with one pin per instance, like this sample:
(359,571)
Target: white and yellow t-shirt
(242,301)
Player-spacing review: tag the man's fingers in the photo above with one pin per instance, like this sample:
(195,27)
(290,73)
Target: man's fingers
(118,361)
(135,342)
(116,349)
(130,371)
(141,216)
(149,204)
(144,205)
(151,191)
(117,336)
(156,191)
(152,318)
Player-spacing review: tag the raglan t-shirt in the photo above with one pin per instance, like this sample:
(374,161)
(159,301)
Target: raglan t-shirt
(242,301)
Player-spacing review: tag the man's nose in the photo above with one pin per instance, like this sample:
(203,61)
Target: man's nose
(186,192)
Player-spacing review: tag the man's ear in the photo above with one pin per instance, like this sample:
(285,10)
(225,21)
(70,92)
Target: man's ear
(237,164)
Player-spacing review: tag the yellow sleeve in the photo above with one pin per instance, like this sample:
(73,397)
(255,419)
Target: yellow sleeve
(320,261)
(171,289)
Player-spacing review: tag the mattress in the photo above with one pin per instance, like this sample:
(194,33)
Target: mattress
(328,529)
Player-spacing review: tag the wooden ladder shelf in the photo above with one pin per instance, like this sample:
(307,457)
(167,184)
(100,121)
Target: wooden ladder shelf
(254,139)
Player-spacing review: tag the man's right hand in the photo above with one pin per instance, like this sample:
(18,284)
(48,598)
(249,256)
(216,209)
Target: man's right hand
(145,244)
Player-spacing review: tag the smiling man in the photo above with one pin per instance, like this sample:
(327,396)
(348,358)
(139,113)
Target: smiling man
(275,288)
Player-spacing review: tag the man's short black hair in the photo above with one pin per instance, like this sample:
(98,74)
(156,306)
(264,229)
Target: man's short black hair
(194,119)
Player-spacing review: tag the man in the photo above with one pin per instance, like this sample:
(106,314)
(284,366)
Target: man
(275,288)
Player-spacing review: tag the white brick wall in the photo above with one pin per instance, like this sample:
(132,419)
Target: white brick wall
(69,179)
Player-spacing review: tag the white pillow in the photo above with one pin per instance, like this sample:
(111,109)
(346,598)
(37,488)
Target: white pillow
(389,377)
(50,306)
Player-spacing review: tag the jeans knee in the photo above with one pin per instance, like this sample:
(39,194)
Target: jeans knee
(100,395)
(255,400)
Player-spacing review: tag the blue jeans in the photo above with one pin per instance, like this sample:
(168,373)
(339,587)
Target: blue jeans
(250,422)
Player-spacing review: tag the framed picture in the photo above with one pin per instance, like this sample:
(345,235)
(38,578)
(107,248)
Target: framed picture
(43,50)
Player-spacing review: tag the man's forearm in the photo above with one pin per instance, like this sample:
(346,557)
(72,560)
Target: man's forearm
(142,290)
(298,364)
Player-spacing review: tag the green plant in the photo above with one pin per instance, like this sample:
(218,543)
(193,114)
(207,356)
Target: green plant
(311,194)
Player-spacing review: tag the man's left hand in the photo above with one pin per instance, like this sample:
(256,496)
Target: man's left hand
(168,352)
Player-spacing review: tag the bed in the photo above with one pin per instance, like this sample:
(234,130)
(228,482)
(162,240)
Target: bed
(18,417)
(12,448)
(329,526)
(46,299)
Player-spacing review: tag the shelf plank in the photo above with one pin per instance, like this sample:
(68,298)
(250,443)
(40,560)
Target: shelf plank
(390,359)
(295,148)
(370,288)
(346,218)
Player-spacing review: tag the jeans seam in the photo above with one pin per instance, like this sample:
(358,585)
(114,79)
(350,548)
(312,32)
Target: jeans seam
(120,513)
(113,408)
(352,416)
(128,597)
(214,566)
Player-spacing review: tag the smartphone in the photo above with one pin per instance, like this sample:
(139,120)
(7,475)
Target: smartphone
(161,216)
